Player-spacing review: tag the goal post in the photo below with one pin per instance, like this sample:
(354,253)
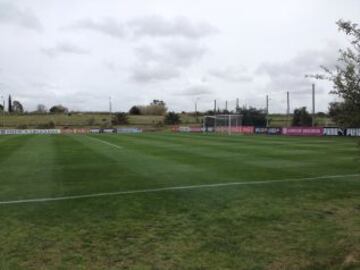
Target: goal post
(222,123)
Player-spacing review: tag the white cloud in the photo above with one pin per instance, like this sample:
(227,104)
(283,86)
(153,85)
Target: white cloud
(11,14)
(108,26)
(166,62)
(153,72)
(196,90)
(64,48)
(290,75)
(158,26)
(231,74)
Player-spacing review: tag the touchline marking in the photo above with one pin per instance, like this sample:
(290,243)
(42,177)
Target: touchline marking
(105,142)
(151,190)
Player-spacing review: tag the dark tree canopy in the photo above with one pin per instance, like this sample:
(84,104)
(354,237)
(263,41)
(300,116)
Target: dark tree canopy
(301,118)
(120,118)
(135,110)
(345,76)
(58,109)
(252,116)
(17,107)
(172,118)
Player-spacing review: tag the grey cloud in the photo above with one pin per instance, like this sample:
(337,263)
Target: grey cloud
(196,90)
(11,14)
(305,62)
(111,65)
(154,26)
(166,62)
(157,26)
(231,74)
(64,48)
(106,26)
(178,53)
(291,74)
(153,72)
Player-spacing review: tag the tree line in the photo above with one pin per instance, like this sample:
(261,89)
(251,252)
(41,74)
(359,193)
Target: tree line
(16,107)
(13,106)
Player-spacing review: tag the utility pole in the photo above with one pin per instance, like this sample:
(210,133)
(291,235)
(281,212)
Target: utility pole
(287,108)
(313,104)
(3,111)
(110,110)
(267,104)
(215,106)
(196,109)
(226,105)
(110,105)
(267,110)
(10,105)
(237,104)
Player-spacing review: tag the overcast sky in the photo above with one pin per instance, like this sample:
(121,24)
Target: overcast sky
(80,52)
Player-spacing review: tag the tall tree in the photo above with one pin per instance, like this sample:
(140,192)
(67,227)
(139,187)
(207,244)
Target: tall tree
(345,77)
(10,104)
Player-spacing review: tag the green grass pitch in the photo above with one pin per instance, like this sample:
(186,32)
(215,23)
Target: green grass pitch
(313,224)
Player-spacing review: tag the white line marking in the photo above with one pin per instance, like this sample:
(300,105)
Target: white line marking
(105,142)
(151,190)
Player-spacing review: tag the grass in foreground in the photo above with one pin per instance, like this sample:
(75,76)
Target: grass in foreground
(295,225)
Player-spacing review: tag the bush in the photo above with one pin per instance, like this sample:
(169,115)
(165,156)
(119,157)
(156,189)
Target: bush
(172,118)
(135,110)
(120,119)
(252,116)
(58,109)
(301,118)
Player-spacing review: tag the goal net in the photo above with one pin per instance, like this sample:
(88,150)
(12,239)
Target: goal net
(222,123)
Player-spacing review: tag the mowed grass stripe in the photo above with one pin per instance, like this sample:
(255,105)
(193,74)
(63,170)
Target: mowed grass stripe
(29,167)
(113,169)
(274,139)
(179,188)
(291,148)
(91,166)
(257,162)
(239,143)
(268,141)
(224,147)
(200,164)
(10,144)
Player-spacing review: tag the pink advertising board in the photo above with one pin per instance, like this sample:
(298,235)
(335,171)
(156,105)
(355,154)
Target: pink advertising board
(242,129)
(302,131)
